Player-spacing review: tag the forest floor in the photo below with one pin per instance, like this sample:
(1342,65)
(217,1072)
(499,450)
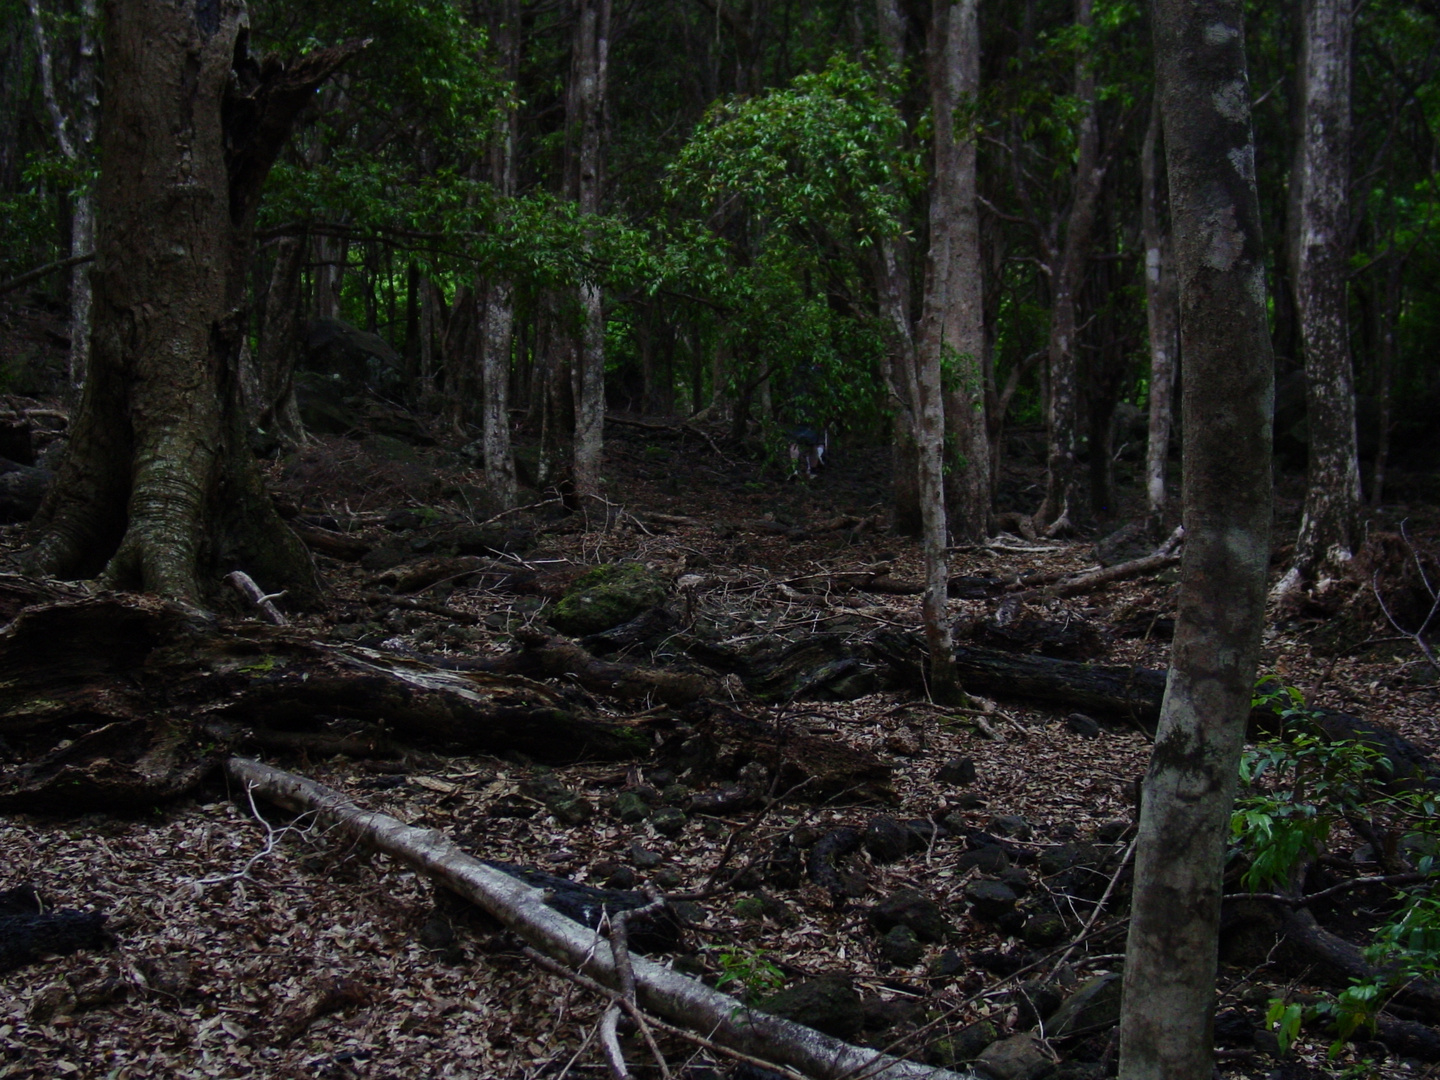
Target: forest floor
(248,945)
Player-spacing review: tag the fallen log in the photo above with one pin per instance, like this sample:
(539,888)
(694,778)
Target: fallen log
(119,701)
(545,656)
(522,909)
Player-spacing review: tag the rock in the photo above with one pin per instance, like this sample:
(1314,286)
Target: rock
(334,347)
(901,947)
(1036,1000)
(1013,826)
(569,808)
(826,1004)
(1016,878)
(1043,930)
(1082,725)
(1095,1005)
(644,858)
(750,907)
(881,1015)
(677,794)
(914,910)
(948,965)
(668,821)
(1020,1057)
(989,860)
(990,899)
(885,839)
(22,487)
(605,597)
(668,878)
(618,876)
(959,771)
(1064,856)
(631,808)
(1110,832)
(964,1045)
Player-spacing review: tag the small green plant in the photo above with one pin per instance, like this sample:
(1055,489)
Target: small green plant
(1284,1019)
(751,971)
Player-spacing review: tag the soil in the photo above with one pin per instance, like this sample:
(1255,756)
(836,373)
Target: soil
(247,943)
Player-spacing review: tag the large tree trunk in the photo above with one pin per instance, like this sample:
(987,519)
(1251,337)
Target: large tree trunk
(1162,317)
(158,485)
(591,48)
(1332,500)
(955,238)
(1171,958)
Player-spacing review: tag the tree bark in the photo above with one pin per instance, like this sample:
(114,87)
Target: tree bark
(1062,508)
(1328,528)
(272,406)
(955,245)
(1171,958)
(158,484)
(590,71)
(1162,317)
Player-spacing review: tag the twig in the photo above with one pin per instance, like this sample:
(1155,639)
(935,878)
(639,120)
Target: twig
(1353,883)
(1110,888)
(245,585)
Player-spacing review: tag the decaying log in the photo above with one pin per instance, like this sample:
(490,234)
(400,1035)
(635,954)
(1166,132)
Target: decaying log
(547,657)
(521,908)
(120,701)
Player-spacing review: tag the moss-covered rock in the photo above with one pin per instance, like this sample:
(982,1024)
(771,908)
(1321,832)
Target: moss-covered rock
(607,596)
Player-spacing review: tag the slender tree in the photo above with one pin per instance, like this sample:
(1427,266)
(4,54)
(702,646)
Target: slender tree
(1171,958)
(1161,314)
(1332,499)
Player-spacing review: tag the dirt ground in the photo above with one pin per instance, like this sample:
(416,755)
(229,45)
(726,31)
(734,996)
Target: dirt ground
(249,944)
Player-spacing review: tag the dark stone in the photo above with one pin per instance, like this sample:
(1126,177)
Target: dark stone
(668,878)
(885,839)
(1013,826)
(619,877)
(881,1015)
(660,778)
(631,808)
(913,910)
(1082,725)
(901,947)
(1036,1000)
(825,1004)
(569,808)
(1002,963)
(1017,879)
(1234,1027)
(658,931)
(949,964)
(990,899)
(964,1045)
(677,794)
(1043,930)
(668,821)
(334,347)
(1064,856)
(1095,1005)
(1020,1057)
(605,597)
(644,858)
(989,860)
(22,487)
(1110,832)
(959,771)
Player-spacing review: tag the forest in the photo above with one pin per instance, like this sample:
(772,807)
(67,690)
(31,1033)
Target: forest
(719,539)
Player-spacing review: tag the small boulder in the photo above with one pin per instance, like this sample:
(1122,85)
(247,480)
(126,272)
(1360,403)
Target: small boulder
(901,947)
(668,821)
(885,839)
(990,899)
(825,1004)
(1020,1057)
(1043,930)
(1095,1005)
(631,808)
(1083,726)
(913,910)
(1013,826)
(964,1045)
(959,771)
(607,596)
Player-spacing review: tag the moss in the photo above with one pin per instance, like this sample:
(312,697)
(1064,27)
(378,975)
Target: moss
(607,596)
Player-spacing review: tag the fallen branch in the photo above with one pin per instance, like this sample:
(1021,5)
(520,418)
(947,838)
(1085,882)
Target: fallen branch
(1166,555)
(522,909)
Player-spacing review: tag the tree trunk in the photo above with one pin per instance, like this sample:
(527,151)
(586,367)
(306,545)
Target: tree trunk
(272,406)
(75,135)
(1062,507)
(591,48)
(955,224)
(1171,959)
(1332,499)
(1161,316)
(158,485)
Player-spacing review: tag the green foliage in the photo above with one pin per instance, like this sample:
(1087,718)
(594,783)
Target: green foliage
(750,971)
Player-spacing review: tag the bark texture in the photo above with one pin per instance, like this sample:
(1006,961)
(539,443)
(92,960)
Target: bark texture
(590,68)
(1171,959)
(1162,316)
(1332,499)
(158,485)
(955,262)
